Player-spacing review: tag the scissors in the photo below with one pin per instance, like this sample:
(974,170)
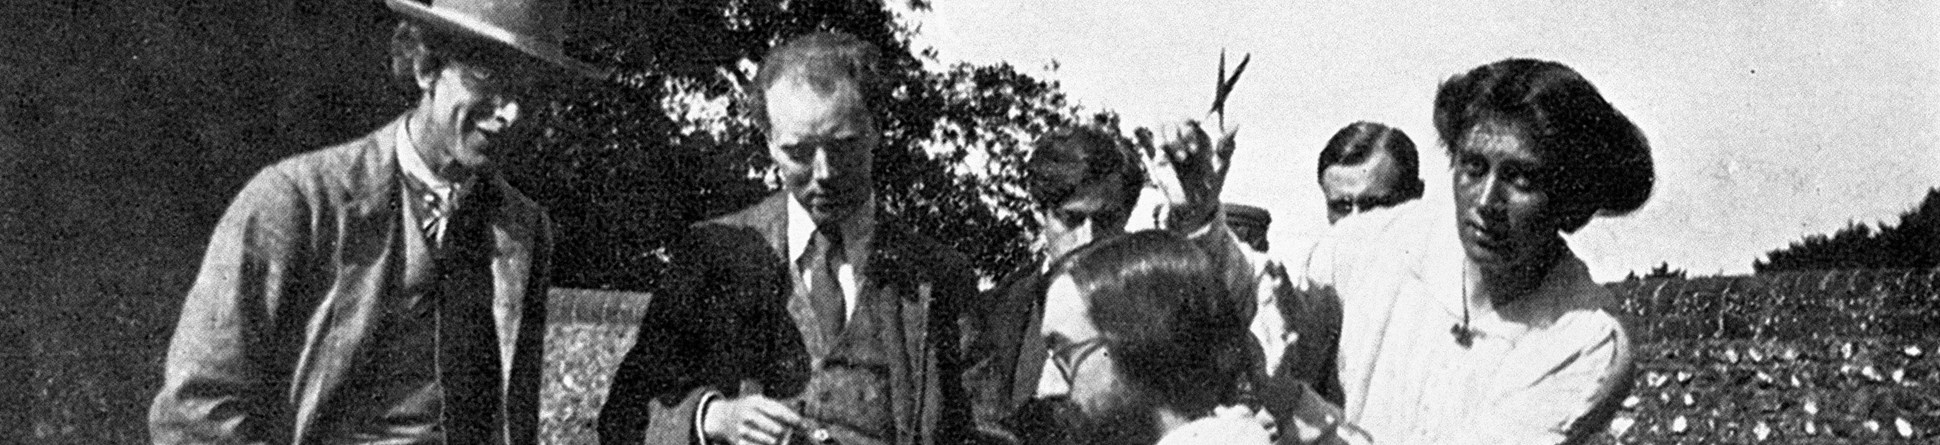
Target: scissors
(1223,86)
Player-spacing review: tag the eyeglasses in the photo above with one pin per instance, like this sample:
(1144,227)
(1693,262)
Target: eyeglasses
(1067,355)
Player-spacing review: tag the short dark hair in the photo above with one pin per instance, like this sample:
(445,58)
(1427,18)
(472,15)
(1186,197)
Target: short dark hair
(1164,313)
(826,61)
(1103,156)
(1599,162)
(1354,143)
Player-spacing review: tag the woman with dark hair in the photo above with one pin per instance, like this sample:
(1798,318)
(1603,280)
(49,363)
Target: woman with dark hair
(1494,333)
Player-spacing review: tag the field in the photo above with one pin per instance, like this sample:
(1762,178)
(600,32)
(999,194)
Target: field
(1814,357)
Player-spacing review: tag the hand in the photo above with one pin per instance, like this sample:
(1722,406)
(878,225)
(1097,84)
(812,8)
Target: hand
(1247,413)
(749,420)
(1189,170)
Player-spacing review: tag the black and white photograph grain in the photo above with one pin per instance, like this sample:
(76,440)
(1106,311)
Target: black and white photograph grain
(950,222)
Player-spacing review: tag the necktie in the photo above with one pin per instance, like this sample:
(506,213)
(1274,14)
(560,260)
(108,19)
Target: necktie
(825,294)
(467,334)
(432,210)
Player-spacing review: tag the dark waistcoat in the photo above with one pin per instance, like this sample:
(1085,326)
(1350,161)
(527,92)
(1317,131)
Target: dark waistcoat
(848,382)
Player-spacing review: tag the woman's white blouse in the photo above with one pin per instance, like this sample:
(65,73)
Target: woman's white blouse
(1534,366)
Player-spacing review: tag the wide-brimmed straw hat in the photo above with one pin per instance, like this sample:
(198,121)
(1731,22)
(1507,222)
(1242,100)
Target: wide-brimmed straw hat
(529,26)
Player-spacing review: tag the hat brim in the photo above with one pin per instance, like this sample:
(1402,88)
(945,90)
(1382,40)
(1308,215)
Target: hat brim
(466,26)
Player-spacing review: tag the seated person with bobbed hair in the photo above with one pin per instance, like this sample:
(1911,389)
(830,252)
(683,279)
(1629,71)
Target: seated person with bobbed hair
(1476,324)
(1147,344)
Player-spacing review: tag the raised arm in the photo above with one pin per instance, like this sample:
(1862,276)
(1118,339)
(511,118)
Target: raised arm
(1189,170)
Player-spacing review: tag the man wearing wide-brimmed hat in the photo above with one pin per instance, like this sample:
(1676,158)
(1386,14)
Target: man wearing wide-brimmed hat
(390,289)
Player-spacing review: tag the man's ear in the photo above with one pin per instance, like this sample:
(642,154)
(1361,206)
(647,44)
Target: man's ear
(426,69)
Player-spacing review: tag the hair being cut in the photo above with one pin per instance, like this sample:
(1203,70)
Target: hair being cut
(1164,313)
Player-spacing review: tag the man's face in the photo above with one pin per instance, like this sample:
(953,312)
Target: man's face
(469,109)
(1109,411)
(822,144)
(1499,201)
(1077,350)
(1373,183)
(1076,221)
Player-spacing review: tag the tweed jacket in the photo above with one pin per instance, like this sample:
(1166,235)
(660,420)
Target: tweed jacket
(292,287)
(721,319)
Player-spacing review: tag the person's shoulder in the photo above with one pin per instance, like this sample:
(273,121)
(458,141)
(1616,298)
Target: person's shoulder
(906,243)
(337,160)
(1586,319)
(1584,307)
(769,211)
(308,177)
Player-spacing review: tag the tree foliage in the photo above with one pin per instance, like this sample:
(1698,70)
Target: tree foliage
(627,164)
(1909,245)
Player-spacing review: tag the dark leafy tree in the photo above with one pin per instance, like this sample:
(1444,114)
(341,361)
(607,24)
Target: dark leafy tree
(627,164)
(1911,244)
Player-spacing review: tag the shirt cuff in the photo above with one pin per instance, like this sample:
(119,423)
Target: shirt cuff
(700,416)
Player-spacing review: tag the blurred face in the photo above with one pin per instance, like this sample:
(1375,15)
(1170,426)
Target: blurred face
(467,110)
(1374,183)
(1077,350)
(1500,206)
(821,143)
(1107,410)
(1075,222)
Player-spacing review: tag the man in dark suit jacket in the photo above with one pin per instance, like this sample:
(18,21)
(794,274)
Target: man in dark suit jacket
(811,316)
(1083,184)
(391,289)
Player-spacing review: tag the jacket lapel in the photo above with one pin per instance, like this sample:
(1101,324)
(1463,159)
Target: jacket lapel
(511,264)
(366,242)
(913,387)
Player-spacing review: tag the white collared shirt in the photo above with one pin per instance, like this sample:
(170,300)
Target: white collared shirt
(858,230)
(409,160)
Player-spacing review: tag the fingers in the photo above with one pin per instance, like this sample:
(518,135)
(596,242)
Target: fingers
(753,420)
(756,437)
(1226,145)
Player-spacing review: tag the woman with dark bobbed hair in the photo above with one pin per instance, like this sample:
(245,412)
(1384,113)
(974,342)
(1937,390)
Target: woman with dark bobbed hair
(1493,333)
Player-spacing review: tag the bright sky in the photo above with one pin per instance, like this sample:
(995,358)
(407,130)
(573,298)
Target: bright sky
(1768,120)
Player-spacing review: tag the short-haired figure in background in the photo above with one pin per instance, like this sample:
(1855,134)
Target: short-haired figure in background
(1146,345)
(811,316)
(391,289)
(1368,166)
(1475,323)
